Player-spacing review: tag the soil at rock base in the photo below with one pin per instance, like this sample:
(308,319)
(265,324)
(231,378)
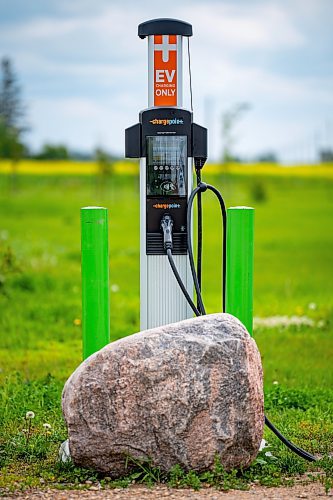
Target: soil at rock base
(139,492)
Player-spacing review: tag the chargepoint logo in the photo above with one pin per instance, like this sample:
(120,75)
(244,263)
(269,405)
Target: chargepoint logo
(166,206)
(167,121)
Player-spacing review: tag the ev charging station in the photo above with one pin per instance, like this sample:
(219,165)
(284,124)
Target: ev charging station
(167,141)
(169,144)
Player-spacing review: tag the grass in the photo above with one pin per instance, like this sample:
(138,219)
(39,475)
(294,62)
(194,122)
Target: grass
(40,312)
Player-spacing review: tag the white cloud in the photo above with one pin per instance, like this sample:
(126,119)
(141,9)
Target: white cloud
(225,78)
(111,32)
(41,29)
(226,26)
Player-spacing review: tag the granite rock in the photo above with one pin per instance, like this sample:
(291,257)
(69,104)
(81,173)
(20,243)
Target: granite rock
(177,394)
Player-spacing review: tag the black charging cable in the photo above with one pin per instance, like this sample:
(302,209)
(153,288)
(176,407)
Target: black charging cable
(199,310)
(199,238)
(299,451)
(202,187)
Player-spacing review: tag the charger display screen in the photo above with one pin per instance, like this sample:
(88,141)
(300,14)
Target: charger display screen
(166,165)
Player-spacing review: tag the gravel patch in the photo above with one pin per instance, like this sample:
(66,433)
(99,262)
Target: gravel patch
(140,492)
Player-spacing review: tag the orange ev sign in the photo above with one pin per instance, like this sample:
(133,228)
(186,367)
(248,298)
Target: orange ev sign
(165,70)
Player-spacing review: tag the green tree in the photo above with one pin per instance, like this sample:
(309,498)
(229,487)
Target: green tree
(229,121)
(105,168)
(267,157)
(53,152)
(104,162)
(10,144)
(12,113)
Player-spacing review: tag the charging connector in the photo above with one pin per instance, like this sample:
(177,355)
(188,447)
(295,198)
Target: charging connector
(167,226)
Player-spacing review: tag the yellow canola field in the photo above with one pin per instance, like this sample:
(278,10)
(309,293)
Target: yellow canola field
(70,167)
(63,167)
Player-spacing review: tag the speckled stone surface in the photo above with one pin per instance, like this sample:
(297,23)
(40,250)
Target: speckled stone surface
(177,394)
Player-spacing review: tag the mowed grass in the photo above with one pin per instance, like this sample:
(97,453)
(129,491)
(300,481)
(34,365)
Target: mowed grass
(40,297)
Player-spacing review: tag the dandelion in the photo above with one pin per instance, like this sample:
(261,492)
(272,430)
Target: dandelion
(77,322)
(312,306)
(275,382)
(114,288)
(47,429)
(28,417)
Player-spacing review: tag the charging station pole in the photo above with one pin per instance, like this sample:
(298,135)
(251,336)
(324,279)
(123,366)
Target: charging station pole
(166,140)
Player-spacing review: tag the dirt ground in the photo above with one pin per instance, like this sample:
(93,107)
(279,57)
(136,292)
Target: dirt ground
(138,492)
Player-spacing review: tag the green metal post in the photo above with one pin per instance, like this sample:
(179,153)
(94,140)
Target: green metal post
(95,279)
(239,279)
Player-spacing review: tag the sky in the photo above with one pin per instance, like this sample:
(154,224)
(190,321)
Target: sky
(83,70)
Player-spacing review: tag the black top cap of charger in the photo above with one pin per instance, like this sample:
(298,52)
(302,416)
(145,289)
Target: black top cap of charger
(164,26)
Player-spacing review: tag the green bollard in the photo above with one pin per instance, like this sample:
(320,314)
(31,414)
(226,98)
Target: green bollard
(240,250)
(95,279)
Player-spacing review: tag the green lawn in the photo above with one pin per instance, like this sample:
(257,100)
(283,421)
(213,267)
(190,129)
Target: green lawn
(40,298)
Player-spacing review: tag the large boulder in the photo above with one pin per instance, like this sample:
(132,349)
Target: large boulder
(177,394)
